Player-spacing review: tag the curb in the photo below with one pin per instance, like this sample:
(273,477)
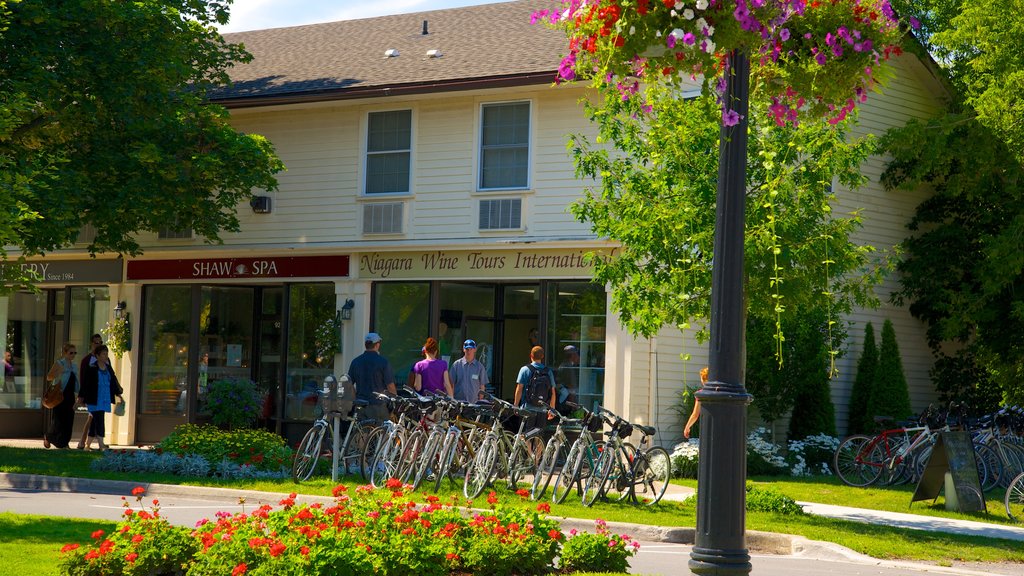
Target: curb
(757,542)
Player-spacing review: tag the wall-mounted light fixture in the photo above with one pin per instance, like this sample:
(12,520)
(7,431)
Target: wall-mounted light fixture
(119,309)
(260,204)
(346,309)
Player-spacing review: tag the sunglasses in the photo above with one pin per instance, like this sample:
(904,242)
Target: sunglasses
(72,352)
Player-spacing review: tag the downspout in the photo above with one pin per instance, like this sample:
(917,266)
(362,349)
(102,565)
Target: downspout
(652,389)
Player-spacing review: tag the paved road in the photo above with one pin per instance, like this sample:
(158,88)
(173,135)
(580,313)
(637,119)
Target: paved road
(654,558)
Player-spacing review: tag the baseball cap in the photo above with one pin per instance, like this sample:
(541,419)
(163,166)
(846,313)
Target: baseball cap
(469,344)
(372,337)
(570,348)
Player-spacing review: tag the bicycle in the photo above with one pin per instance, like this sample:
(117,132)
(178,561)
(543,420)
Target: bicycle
(651,471)
(311,448)
(387,442)
(612,466)
(860,460)
(554,452)
(502,456)
(578,462)
(458,448)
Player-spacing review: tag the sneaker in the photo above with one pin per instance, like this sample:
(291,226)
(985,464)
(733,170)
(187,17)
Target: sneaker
(46,442)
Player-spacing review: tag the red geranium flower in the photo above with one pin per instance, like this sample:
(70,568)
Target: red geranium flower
(69,547)
(138,491)
(240,569)
(544,507)
(555,534)
(131,557)
(97,535)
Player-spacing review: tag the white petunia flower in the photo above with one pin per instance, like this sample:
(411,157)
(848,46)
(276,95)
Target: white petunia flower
(701,23)
(632,30)
(679,5)
(688,14)
(702,4)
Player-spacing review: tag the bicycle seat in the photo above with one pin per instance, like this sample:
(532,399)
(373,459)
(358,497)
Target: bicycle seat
(645,430)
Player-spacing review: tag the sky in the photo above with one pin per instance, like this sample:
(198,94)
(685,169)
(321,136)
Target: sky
(259,14)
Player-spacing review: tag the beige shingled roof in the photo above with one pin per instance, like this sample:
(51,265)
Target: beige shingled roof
(492,42)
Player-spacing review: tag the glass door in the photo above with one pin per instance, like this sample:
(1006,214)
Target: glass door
(268,369)
(225,337)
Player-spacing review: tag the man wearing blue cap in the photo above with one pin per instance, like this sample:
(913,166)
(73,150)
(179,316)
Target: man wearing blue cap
(468,375)
(370,372)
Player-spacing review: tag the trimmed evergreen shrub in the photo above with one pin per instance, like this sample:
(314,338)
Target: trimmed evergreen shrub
(889,394)
(860,421)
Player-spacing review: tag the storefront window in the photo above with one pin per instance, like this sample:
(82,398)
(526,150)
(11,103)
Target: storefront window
(164,373)
(310,307)
(90,309)
(402,318)
(225,336)
(23,315)
(576,317)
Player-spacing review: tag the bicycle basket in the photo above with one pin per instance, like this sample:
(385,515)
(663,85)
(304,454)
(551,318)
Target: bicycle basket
(625,429)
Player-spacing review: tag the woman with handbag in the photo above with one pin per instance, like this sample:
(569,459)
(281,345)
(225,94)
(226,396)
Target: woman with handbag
(99,388)
(63,374)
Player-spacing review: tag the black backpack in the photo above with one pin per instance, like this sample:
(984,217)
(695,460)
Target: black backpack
(538,388)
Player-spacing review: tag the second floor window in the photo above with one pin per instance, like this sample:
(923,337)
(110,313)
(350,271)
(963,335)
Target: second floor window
(388,151)
(505,145)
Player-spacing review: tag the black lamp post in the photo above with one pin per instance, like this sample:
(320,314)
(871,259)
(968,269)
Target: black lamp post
(720,545)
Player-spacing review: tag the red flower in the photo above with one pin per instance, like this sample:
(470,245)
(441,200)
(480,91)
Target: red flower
(138,538)
(523,493)
(393,483)
(240,569)
(69,548)
(304,550)
(138,491)
(131,557)
(451,556)
(338,490)
(544,507)
(156,502)
(97,535)
(492,498)
(554,534)
(92,555)
(277,549)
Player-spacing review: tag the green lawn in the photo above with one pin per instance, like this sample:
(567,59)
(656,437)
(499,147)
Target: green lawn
(31,544)
(880,542)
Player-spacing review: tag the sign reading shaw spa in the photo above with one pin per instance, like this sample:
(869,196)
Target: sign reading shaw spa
(539,263)
(237,268)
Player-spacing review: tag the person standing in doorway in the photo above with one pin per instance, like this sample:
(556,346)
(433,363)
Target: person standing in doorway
(568,377)
(90,359)
(65,371)
(535,389)
(696,405)
(370,372)
(469,375)
(432,372)
(99,388)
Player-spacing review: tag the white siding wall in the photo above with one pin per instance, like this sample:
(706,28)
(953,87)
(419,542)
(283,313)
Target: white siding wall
(319,203)
(913,93)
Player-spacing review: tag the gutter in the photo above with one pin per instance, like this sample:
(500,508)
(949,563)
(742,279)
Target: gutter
(528,79)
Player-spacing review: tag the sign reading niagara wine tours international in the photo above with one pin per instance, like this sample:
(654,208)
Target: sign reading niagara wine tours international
(540,263)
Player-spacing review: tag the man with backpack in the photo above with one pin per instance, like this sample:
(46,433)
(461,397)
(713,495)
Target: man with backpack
(535,388)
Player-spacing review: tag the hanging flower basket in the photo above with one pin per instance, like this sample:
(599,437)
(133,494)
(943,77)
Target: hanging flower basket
(327,339)
(809,58)
(117,335)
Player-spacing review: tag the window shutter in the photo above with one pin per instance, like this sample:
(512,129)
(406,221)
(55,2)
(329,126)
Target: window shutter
(382,218)
(501,214)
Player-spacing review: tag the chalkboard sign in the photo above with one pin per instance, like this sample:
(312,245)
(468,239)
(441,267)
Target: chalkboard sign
(954,453)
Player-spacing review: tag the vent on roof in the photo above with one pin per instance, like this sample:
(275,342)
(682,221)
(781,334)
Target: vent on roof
(391,53)
(434,53)
(504,214)
(382,218)
(424,28)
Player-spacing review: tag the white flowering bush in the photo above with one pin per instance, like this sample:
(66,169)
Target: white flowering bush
(684,459)
(812,456)
(764,457)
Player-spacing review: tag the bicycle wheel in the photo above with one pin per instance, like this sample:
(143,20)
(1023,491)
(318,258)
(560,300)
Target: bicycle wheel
(993,466)
(568,475)
(446,458)
(308,453)
(427,462)
(479,471)
(620,481)
(652,469)
(352,450)
(1014,499)
(857,462)
(526,455)
(553,452)
(412,452)
(386,461)
(602,469)
(370,449)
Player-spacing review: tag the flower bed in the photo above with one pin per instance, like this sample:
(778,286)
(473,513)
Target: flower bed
(807,457)
(368,532)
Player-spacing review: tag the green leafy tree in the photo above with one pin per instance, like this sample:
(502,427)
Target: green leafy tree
(801,382)
(104,120)
(655,195)
(867,365)
(889,394)
(964,266)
